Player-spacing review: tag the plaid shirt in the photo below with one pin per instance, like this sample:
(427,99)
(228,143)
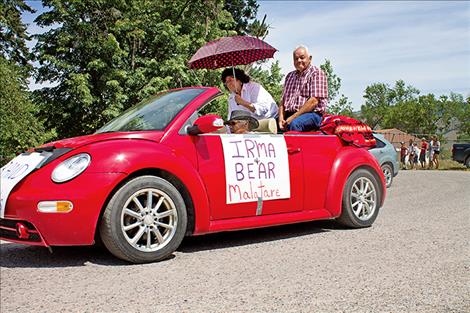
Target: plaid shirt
(298,88)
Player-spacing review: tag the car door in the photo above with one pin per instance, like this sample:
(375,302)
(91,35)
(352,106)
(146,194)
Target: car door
(257,168)
(318,154)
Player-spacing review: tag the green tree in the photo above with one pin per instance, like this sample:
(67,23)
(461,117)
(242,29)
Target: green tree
(106,56)
(13,34)
(379,98)
(334,82)
(404,108)
(269,79)
(20,129)
(456,113)
(341,105)
(464,117)
(19,126)
(243,13)
(427,114)
(415,116)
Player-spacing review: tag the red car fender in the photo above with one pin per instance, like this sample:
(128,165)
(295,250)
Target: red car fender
(347,161)
(123,157)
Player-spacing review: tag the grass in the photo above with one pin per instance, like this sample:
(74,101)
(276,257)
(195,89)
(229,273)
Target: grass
(446,165)
(452,165)
(446,162)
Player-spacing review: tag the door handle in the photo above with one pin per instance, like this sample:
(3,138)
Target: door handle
(291,150)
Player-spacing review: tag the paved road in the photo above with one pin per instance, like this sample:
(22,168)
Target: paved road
(414,259)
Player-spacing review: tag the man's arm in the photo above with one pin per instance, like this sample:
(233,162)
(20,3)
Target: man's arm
(308,106)
(282,121)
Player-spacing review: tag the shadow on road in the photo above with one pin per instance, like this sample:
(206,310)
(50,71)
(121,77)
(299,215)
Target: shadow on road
(22,256)
(253,236)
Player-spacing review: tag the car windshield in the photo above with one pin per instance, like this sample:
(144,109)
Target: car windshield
(154,113)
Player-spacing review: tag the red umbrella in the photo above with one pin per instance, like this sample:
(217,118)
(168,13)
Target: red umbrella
(230,51)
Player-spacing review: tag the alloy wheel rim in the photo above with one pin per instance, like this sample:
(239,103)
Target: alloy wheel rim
(363,198)
(388,175)
(149,220)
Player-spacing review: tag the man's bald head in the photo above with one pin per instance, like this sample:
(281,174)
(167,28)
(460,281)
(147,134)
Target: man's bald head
(302,58)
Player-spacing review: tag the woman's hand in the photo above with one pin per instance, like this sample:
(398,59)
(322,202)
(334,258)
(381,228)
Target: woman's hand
(240,101)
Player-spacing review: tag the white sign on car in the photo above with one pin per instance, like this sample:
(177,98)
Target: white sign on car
(256,167)
(14,171)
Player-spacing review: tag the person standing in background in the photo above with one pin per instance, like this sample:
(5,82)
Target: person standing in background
(411,153)
(431,154)
(403,153)
(416,155)
(436,150)
(422,153)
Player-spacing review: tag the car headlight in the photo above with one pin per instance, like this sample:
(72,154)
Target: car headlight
(70,168)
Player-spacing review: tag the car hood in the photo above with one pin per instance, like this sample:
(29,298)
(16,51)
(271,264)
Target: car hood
(76,142)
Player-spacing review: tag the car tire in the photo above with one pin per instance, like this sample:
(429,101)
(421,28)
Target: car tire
(145,220)
(467,163)
(361,199)
(388,174)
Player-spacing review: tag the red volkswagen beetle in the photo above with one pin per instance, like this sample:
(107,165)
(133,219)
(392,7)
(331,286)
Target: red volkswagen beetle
(160,171)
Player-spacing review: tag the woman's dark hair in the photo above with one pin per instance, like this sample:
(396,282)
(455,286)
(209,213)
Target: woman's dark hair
(239,74)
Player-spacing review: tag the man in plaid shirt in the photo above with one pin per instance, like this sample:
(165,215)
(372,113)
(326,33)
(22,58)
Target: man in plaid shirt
(305,95)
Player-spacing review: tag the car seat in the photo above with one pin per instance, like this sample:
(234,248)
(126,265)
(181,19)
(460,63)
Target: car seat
(267,125)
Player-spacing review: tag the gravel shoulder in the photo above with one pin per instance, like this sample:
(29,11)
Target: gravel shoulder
(415,258)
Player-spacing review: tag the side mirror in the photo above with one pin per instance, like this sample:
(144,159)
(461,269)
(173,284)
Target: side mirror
(206,124)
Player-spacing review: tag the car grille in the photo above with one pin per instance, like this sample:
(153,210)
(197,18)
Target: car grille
(8,231)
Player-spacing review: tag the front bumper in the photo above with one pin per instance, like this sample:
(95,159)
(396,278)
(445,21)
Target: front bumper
(9,230)
(88,193)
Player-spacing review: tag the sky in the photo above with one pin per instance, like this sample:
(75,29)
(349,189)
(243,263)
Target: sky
(424,43)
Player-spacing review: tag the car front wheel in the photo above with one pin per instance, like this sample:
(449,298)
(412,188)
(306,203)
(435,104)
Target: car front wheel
(145,220)
(361,199)
(388,173)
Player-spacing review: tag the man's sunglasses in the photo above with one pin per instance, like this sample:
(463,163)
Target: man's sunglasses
(233,123)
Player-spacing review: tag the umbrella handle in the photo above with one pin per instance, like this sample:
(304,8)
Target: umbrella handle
(233,69)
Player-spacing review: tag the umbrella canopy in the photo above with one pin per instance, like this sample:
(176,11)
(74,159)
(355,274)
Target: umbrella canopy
(231,51)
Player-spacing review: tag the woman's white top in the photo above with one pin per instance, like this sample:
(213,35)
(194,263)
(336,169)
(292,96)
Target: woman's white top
(262,101)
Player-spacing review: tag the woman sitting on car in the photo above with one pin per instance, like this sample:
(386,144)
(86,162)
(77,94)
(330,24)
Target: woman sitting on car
(248,95)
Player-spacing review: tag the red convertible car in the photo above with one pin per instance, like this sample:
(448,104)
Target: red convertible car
(161,171)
